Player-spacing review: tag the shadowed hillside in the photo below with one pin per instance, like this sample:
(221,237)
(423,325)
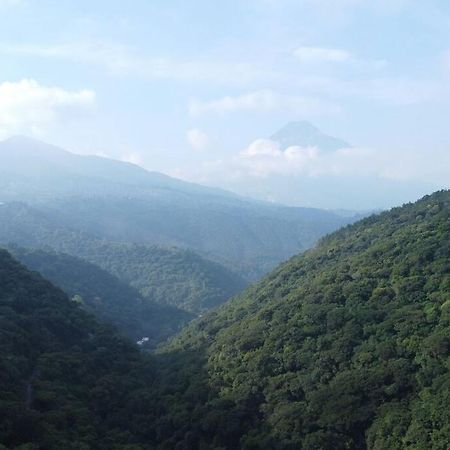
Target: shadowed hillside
(344,347)
(104,295)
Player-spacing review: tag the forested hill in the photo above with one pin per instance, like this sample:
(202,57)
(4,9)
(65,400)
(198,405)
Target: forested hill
(66,382)
(168,276)
(108,298)
(344,347)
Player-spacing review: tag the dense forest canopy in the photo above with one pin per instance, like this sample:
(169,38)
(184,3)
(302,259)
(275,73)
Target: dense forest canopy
(108,298)
(346,346)
(65,380)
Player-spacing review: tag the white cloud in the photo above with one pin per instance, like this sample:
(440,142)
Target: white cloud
(317,55)
(322,55)
(328,7)
(198,139)
(262,147)
(264,157)
(264,170)
(26,107)
(115,58)
(133,158)
(392,91)
(264,101)
(121,60)
(7,3)
(318,92)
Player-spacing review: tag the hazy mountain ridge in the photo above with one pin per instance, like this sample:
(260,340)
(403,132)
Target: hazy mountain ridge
(119,201)
(168,276)
(249,240)
(55,172)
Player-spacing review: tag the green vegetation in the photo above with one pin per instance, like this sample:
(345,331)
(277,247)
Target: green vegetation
(66,382)
(168,276)
(344,347)
(105,296)
(250,238)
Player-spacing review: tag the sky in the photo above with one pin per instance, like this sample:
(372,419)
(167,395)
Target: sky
(195,90)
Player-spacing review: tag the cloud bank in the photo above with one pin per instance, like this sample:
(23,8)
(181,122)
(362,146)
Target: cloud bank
(26,107)
(198,139)
(264,102)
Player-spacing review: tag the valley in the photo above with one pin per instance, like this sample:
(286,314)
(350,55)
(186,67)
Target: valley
(343,346)
(159,332)
(224,225)
(173,250)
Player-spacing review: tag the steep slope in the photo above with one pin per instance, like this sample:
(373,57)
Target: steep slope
(344,347)
(105,296)
(66,382)
(167,276)
(121,201)
(170,276)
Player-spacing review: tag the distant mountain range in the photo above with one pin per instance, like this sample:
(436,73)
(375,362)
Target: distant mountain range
(119,201)
(34,171)
(143,251)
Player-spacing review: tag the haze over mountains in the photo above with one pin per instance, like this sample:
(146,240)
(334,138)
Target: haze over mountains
(35,171)
(120,201)
(301,165)
(344,346)
(173,249)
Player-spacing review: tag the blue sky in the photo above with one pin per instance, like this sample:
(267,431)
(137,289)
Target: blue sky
(193,88)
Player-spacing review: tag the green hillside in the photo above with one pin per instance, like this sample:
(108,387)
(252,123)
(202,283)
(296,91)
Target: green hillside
(246,236)
(108,298)
(66,382)
(344,347)
(168,276)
